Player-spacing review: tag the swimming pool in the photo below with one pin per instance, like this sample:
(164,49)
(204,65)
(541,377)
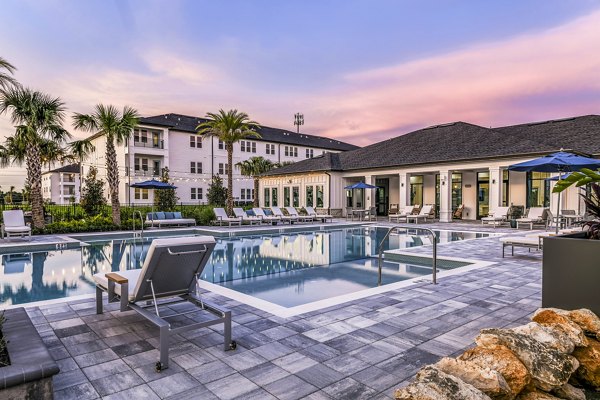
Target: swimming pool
(284,269)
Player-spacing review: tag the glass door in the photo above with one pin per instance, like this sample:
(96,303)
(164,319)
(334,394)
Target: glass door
(381,196)
(483,194)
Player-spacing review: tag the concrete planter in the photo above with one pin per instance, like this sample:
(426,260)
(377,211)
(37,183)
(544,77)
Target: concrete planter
(30,374)
(571,272)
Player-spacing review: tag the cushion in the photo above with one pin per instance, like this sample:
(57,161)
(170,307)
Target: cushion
(150,216)
(250,213)
(177,215)
(160,215)
(169,215)
(267,211)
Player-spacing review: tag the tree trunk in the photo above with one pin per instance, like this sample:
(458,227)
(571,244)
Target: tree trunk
(112,172)
(229,178)
(256,189)
(34,179)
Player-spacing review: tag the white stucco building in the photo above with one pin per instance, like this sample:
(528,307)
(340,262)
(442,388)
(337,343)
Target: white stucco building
(61,185)
(170,140)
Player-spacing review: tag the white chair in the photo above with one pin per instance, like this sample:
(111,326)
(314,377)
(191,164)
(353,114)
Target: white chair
(408,210)
(223,217)
(240,213)
(169,274)
(424,214)
(294,213)
(323,217)
(278,213)
(534,216)
(497,217)
(259,212)
(14,224)
(534,241)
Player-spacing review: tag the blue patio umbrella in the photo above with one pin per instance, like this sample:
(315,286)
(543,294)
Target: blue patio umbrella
(154,185)
(360,185)
(560,162)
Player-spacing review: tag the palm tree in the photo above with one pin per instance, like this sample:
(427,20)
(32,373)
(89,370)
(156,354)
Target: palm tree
(229,127)
(38,118)
(6,80)
(116,127)
(254,167)
(81,149)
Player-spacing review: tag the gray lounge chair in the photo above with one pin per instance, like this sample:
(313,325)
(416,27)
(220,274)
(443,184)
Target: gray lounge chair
(223,217)
(14,224)
(168,277)
(271,219)
(240,213)
(323,217)
(294,213)
(289,218)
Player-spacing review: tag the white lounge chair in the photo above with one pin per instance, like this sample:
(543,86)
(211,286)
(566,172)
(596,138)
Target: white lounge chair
(294,213)
(424,214)
(240,213)
(323,217)
(14,224)
(497,217)
(223,217)
(406,211)
(170,272)
(534,216)
(259,212)
(278,213)
(530,242)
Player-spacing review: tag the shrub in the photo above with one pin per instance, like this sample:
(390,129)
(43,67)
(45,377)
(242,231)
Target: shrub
(92,194)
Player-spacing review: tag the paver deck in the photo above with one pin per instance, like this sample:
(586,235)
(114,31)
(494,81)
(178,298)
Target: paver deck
(362,349)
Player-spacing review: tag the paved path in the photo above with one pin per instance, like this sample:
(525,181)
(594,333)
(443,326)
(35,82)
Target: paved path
(362,349)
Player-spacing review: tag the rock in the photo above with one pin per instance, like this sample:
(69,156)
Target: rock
(549,368)
(485,379)
(587,320)
(569,392)
(500,358)
(433,384)
(589,360)
(549,335)
(552,317)
(536,395)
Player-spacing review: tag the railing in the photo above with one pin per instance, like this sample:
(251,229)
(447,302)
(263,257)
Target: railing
(159,145)
(433,239)
(138,212)
(146,172)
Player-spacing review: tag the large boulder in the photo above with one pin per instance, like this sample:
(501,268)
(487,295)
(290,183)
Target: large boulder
(587,320)
(558,320)
(500,358)
(549,335)
(433,384)
(549,368)
(536,395)
(489,381)
(588,372)
(569,392)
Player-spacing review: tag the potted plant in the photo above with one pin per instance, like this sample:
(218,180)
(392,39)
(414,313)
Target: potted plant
(26,366)
(570,274)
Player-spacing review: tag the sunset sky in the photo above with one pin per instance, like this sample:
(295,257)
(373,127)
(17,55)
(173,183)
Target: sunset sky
(360,71)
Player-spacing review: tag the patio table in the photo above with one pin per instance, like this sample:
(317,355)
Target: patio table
(360,213)
(569,219)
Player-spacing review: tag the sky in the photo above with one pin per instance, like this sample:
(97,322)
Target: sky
(360,71)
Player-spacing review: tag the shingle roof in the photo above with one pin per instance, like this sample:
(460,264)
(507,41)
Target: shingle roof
(459,141)
(71,168)
(186,123)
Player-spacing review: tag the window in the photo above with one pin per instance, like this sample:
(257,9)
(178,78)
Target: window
(195,167)
(416,190)
(505,188)
(141,194)
(196,141)
(309,196)
(295,196)
(192,167)
(221,145)
(349,198)
(196,193)
(538,189)
(274,197)
(246,194)
(320,196)
(270,148)
(286,196)
(223,168)
(144,164)
(247,146)
(267,198)
(140,136)
(309,153)
(291,151)
(456,191)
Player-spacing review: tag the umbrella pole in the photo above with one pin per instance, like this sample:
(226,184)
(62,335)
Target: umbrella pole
(558,205)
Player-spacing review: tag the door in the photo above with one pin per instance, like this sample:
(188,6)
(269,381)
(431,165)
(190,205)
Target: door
(381,195)
(483,194)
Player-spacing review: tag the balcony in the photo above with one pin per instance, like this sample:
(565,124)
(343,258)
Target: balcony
(147,172)
(152,144)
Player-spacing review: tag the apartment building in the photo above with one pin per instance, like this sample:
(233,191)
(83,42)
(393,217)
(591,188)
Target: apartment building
(170,140)
(61,185)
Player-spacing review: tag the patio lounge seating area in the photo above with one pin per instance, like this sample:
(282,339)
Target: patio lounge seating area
(161,219)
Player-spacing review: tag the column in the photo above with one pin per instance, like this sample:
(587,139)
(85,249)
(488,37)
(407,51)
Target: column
(495,189)
(445,196)
(403,200)
(369,193)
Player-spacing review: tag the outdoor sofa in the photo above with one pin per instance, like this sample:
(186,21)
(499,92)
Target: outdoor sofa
(161,219)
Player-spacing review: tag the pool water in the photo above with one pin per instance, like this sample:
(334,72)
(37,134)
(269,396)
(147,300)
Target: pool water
(285,269)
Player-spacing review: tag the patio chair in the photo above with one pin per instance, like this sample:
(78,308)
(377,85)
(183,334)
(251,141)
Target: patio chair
(240,213)
(323,217)
(223,217)
(530,242)
(14,224)
(535,215)
(458,212)
(260,213)
(406,211)
(497,217)
(371,214)
(294,213)
(423,214)
(289,218)
(167,279)
(350,213)
(393,209)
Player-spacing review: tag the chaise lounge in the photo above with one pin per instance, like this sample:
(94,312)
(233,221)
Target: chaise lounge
(535,215)
(259,212)
(240,213)
(497,217)
(294,213)
(408,210)
(323,217)
(161,219)
(289,218)
(424,214)
(222,217)
(14,224)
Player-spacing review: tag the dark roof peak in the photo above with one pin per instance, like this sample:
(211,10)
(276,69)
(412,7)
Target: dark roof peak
(71,168)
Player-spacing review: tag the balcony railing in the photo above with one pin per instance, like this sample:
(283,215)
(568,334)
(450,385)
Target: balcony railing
(151,144)
(149,172)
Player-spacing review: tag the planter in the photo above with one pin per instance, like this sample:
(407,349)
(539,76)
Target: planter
(571,272)
(513,223)
(30,374)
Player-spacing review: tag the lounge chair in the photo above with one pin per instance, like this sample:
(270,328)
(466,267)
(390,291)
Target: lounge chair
(161,219)
(535,215)
(497,217)
(14,224)
(458,212)
(168,277)
(323,217)
(294,213)
(259,212)
(278,213)
(423,214)
(406,211)
(530,242)
(240,213)
(223,217)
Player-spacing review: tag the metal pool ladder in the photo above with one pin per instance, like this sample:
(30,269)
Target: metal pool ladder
(136,233)
(406,227)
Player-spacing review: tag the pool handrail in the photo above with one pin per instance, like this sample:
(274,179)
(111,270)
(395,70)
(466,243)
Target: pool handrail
(141,220)
(408,227)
